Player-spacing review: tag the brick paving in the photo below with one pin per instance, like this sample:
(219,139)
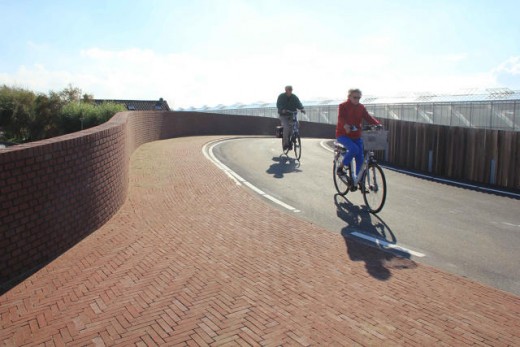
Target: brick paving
(191,259)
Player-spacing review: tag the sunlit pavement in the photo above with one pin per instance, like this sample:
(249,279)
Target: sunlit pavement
(193,259)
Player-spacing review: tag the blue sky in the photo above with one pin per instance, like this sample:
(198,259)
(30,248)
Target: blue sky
(209,52)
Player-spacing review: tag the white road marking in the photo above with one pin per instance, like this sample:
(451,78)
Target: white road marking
(322,144)
(383,244)
(378,242)
(210,156)
(207,150)
(472,186)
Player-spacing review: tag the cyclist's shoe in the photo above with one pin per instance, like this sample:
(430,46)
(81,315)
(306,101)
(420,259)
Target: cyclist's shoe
(290,146)
(340,171)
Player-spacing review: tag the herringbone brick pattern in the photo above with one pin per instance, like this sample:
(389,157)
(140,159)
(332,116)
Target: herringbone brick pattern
(193,260)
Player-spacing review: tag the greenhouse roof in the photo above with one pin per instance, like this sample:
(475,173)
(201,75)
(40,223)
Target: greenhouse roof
(474,95)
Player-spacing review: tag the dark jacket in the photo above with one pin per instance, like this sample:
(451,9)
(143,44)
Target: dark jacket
(290,103)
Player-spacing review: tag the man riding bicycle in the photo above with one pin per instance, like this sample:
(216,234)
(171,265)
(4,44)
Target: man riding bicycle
(348,130)
(287,102)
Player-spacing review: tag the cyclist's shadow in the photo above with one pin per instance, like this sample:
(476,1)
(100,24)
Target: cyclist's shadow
(362,224)
(283,165)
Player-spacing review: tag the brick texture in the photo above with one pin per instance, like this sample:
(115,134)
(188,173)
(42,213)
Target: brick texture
(55,192)
(191,259)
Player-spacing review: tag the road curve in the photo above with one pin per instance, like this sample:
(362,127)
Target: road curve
(193,259)
(470,233)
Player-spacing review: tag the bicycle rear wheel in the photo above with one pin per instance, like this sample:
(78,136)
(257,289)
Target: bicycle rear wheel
(297,146)
(340,183)
(374,188)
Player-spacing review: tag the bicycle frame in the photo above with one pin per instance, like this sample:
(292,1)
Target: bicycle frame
(295,124)
(368,157)
(370,181)
(294,135)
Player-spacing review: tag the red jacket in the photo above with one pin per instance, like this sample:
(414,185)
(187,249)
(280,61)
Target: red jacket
(351,114)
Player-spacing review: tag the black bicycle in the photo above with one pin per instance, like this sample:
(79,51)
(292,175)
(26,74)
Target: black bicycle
(371,180)
(294,138)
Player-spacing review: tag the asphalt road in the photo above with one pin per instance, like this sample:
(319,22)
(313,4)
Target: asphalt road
(463,231)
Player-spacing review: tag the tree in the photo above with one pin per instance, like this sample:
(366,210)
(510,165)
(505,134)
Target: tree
(46,120)
(88,98)
(25,116)
(16,112)
(71,94)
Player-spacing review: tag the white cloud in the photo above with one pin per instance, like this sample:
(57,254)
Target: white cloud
(510,66)
(191,80)
(507,74)
(37,78)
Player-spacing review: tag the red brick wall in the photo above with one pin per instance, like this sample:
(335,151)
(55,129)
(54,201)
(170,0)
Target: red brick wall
(55,192)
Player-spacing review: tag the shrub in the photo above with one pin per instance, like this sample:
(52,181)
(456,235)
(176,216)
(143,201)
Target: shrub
(78,116)
(25,116)
(16,113)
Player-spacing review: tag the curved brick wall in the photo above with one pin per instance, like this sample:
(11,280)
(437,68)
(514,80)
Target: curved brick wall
(55,192)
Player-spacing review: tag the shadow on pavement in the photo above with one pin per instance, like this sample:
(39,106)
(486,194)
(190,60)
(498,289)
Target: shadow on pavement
(283,165)
(360,223)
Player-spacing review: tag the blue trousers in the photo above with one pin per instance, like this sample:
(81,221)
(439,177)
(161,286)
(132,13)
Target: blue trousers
(354,150)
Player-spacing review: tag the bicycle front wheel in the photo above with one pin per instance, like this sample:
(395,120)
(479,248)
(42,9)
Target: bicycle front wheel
(340,183)
(297,146)
(374,188)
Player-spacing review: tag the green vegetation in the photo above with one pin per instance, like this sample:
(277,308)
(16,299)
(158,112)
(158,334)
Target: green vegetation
(26,116)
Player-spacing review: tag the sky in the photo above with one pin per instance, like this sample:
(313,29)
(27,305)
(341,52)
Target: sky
(210,52)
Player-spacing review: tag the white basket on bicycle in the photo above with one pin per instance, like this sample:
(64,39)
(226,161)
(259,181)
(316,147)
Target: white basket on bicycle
(375,140)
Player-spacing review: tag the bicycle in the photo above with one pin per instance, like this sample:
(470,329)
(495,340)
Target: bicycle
(371,179)
(294,138)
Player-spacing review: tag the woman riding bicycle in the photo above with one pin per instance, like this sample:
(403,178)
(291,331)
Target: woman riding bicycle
(348,130)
